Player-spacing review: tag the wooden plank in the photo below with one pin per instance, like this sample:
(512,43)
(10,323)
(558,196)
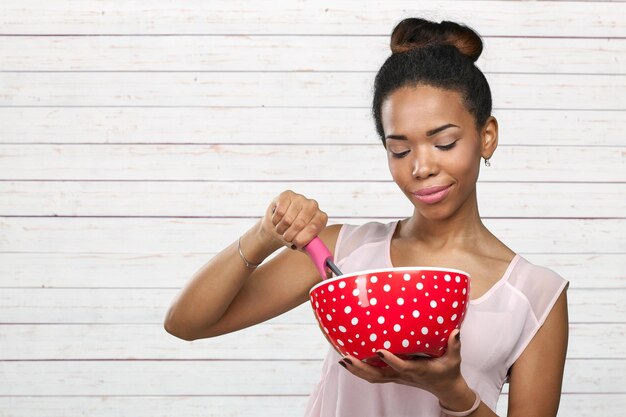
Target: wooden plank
(187,236)
(281,125)
(148,306)
(296,341)
(157,406)
(172,270)
(309,17)
(572,405)
(293,89)
(115,378)
(345,199)
(294,53)
(284,163)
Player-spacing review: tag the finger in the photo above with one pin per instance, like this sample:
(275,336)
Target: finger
(454,343)
(397,364)
(311,230)
(288,216)
(281,205)
(298,226)
(364,371)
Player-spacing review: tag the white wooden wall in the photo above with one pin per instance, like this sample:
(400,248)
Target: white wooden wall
(139,138)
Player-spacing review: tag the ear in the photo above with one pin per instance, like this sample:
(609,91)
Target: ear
(489,138)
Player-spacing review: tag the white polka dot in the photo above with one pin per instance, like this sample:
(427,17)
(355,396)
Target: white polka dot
(374,279)
(384,331)
(433,304)
(326,330)
(436,286)
(373,337)
(464,291)
(373,301)
(453,317)
(342,284)
(420,286)
(334,299)
(457,278)
(448,278)
(354,321)
(369,326)
(412,333)
(415,300)
(427,345)
(347,310)
(331,288)
(362,343)
(403,289)
(424,330)
(343,296)
(423,276)
(317,305)
(381,320)
(455,304)
(401,316)
(340,342)
(443,300)
(387,307)
(405,343)
(426,294)
(387,344)
(400,301)
(387,287)
(389,276)
(416,313)
(369,291)
(367,313)
(329,317)
(355,292)
(342,329)
(357,336)
(439,320)
(407,277)
(396,327)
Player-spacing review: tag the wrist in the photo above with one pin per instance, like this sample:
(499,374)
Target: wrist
(458,397)
(257,244)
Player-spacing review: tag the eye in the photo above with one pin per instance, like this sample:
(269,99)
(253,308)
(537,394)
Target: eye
(399,155)
(446,147)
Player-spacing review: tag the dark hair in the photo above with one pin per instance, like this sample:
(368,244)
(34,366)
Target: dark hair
(437,54)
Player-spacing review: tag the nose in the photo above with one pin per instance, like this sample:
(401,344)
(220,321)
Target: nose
(424,165)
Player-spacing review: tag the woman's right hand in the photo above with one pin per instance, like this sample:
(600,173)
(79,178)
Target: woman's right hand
(292,220)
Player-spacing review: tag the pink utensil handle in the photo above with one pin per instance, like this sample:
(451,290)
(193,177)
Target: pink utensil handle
(319,254)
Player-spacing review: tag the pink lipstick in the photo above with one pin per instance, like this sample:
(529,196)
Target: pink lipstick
(432,195)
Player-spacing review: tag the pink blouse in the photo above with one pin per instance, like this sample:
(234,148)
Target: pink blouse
(497,328)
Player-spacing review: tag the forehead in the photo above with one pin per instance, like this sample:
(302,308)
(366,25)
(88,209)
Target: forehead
(419,108)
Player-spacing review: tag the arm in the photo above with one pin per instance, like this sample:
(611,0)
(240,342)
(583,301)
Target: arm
(543,360)
(225,295)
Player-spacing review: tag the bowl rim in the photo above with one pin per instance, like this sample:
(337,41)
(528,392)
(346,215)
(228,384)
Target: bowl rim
(382,270)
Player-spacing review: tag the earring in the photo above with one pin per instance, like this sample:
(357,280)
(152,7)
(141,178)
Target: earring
(487,163)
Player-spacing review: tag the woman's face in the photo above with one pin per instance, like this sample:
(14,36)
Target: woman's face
(433,148)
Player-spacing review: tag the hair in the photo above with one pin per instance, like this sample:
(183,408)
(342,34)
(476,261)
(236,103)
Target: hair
(440,55)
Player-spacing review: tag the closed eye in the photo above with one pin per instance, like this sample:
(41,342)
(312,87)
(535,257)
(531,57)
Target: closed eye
(447,147)
(400,155)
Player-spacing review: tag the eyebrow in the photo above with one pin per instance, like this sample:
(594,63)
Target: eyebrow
(428,133)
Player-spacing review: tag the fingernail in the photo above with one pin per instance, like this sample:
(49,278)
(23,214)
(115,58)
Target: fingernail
(343,364)
(380,354)
(457,336)
(348,361)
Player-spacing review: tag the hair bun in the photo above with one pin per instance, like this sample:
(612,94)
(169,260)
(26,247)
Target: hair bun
(415,33)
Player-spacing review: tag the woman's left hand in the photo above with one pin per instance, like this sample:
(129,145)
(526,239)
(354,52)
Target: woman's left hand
(439,376)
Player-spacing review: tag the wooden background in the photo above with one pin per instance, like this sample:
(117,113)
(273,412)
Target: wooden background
(139,138)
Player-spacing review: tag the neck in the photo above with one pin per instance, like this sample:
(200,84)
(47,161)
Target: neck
(462,228)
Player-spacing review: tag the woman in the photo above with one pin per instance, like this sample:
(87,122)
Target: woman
(432,108)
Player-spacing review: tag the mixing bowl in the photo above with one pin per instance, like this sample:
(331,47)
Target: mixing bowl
(407,311)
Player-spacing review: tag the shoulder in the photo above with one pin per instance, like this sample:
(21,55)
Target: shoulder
(541,286)
(352,236)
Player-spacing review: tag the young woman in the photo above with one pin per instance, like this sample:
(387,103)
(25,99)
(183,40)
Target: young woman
(432,108)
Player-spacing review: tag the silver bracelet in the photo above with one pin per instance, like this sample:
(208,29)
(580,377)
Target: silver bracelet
(463,413)
(249,265)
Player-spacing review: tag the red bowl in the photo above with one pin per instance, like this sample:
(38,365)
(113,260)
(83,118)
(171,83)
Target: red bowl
(407,311)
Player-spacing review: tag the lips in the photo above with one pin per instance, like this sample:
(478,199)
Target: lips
(432,195)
